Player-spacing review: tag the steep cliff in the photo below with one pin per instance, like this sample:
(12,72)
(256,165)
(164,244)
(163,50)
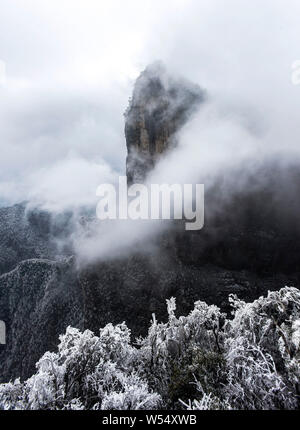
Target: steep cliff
(159,107)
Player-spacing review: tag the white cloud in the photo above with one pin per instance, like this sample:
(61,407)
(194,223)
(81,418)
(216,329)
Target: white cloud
(71,66)
(69,184)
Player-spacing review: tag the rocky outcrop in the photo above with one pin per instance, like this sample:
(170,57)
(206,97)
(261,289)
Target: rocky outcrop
(159,107)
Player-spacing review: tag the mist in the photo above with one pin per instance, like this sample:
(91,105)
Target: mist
(71,68)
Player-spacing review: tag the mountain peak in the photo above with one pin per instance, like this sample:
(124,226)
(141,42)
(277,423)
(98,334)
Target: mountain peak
(160,105)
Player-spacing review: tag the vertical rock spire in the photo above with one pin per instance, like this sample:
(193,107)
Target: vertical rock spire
(159,107)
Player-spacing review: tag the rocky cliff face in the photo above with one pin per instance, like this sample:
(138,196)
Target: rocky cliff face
(159,106)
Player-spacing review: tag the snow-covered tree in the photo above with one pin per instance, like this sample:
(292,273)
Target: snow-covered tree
(88,372)
(200,361)
(262,351)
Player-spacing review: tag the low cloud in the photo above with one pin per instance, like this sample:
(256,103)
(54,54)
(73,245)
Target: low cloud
(70,71)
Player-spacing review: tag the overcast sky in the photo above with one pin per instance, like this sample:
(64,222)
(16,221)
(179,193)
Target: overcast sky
(71,65)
